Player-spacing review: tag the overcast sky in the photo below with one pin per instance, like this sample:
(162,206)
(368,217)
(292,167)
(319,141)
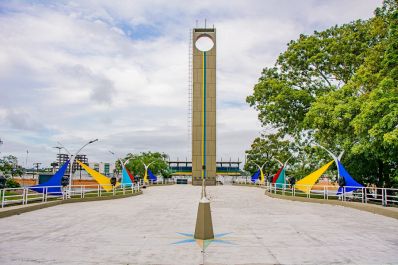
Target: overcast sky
(72,71)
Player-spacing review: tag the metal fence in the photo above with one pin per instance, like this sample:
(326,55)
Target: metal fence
(374,195)
(24,195)
(158,182)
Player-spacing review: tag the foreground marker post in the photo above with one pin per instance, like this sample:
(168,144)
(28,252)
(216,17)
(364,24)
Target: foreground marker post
(204,224)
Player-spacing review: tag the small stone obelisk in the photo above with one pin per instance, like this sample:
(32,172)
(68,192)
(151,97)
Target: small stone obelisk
(204,224)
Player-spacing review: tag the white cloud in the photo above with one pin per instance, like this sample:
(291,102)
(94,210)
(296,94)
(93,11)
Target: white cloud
(118,70)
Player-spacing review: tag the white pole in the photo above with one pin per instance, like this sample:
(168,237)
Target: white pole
(120,161)
(280,162)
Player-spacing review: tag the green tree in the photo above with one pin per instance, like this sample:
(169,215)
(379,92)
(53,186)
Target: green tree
(9,166)
(167,173)
(362,117)
(12,183)
(311,67)
(136,162)
(265,149)
(339,88)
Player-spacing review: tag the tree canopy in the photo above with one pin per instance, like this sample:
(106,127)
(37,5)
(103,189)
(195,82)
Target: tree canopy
(9,166)
(136,162)
(266,149)
(339,87)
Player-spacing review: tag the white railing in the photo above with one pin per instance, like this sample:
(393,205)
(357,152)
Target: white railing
(24,195)
(381,196)
(244,181)
(158,182)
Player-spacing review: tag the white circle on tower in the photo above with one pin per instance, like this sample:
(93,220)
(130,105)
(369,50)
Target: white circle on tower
(204,43)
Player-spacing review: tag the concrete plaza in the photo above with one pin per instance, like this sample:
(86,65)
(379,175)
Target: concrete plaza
(142,230)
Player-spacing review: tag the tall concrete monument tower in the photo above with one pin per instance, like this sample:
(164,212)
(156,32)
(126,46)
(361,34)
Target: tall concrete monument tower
(204,106)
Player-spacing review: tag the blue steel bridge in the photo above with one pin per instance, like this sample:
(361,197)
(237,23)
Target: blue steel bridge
(224,168)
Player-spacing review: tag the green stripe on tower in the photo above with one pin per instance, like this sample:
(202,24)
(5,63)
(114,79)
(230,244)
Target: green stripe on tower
(204,109)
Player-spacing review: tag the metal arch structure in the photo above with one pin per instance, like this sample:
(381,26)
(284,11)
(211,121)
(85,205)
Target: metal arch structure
(335,158)
(350,184)
(260,168)
(72,161)
(283,164)
(305,184)
(281,171)
(146,171)
(125,162)
(280,163)
(125,173)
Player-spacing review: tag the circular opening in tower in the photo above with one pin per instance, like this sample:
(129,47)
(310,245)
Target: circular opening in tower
(204,43)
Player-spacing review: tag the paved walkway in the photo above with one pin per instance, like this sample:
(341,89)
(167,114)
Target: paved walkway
(141,230)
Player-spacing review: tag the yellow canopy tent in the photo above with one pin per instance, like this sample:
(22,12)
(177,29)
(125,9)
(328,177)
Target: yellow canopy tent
(104,181)
(305,184)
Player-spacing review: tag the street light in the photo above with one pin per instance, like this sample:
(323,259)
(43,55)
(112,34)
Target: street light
(62,146)
(123,164)
(72,160)
(120,161)
(37,164)
(59,154)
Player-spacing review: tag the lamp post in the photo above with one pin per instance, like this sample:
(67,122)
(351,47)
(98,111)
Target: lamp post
(120,161)
(26,159)
(72,160)
(122,164)
(1,142)
(59,155)
(37,164)
(26,168)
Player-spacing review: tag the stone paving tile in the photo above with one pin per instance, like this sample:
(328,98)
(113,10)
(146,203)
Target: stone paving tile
(142,230)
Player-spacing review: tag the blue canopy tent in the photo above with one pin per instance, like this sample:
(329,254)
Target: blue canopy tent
(54,182)
(350,183)
(152,177)
(255,176)
(126,181)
